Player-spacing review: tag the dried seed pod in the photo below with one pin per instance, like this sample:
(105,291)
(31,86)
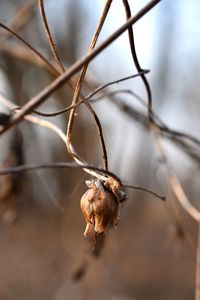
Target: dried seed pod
(100,208)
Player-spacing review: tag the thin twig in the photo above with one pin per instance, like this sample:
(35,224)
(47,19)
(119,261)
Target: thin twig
(46,62)
(136,187)
(36,52)
(47,188)
(103,86)
(89,96)
(135,58)
(57,165)
(50,39)
(174,182)
(79,86)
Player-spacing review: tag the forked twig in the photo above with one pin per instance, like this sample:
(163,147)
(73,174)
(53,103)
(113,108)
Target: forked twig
(77,93)
(46,92)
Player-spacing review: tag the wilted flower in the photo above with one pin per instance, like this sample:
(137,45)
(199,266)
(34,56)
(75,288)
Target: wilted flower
(100,207)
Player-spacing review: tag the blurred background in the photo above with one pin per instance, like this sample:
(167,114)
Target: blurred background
(152,253)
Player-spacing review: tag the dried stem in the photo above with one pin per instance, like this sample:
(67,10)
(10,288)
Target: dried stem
(136,187)
(173,180)
(79,86)
(50,66)
(135,58)
(58,165)
(50,39)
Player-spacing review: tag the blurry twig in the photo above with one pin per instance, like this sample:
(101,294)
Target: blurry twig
(180,139)
(22,16)
(49,192)
(46,61)
(184,202)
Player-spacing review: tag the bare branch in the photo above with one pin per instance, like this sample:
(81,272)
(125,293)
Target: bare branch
(78,90)
(135,58)
(49,37)
(137,187)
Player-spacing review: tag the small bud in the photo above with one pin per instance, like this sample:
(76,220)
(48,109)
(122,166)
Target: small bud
(100,208)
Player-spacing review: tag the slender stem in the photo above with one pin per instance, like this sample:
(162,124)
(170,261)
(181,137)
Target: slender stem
(79,86)
(46,62)
(50,39)
(136,187)
(135,58)
(55,71)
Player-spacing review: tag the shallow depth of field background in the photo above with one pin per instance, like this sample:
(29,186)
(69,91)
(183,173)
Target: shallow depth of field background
(148,256)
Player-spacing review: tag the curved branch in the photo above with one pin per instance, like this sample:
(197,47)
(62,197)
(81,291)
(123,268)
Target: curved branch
(79,86)
(135,58)
(136,187)
(49,37)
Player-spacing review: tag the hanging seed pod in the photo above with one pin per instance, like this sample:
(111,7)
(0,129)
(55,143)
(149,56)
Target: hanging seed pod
(100,208)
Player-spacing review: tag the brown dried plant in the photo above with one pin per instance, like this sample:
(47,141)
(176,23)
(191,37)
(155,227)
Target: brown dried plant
(101,202)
